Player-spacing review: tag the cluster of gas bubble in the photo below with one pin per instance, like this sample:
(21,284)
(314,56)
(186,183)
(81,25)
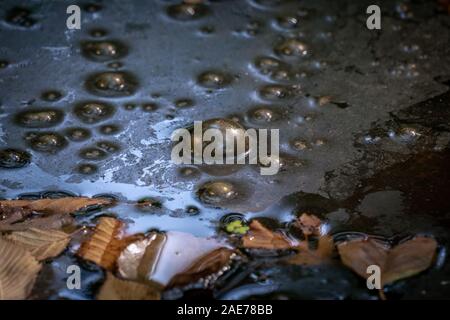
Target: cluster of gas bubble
(281,72)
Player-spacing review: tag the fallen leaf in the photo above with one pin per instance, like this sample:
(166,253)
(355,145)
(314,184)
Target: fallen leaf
(307,256)
(42,244)
(260,237)
(160,256)
(51,206)
(212,263)
(56,221)
(140,258)
(309,224)
(106,243)
(118,289)
(402,261)
(18,271)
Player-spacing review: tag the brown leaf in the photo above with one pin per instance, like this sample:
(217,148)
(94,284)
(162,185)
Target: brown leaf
(51,206)
(309,224)
(18,271)
(118,289)
(260,237)
(106,243)
(56,221)
(41,243)
(307,256)
(404,260)
(209,264)
(160,256)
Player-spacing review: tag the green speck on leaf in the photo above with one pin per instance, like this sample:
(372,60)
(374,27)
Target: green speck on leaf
(236,227)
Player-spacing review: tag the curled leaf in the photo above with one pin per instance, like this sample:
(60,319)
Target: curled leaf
(212,263)
(106,243)
(118,289)
(404,260)
(260,237)
(42,244)
(18,271)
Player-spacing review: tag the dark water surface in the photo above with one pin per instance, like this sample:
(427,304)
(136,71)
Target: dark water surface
(364,119)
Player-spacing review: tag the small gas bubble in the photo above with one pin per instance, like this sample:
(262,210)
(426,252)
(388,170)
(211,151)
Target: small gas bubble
(108,146)
(92,153)
(47,142)
(51,95)
(4,64)
(217,192)
(214,79)
(98,33)
(109,129)
(189,173)
(263,114)
(39,118)
(87,168)
(287,22)
(103,50)
(292,47)
(184,103)
(115,65)
(112,84)
(275,92)
(149,107)
(77,134)
(14,158)
(187,11)
(93,112)
(20,17)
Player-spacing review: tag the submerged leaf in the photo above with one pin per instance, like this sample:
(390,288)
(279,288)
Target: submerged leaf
(56,221)
(307,256)
(18,271)
(159,257)
(404,260)
(211,263)
(41,243)
(52,206)
(118,289)
(105,244)
(309,224)
(261,237)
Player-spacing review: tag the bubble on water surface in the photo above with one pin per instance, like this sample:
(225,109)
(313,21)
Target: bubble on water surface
(217,192)
(39,118)
(93,112)
(47,142)
(214,79)
(187,11)
(14,158)
(103,50)
(112,84)
(77,134)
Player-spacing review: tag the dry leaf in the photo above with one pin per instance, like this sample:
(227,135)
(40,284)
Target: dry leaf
(211,263)
(159,257)
(42,244)
(402,261)
(51,206)
(118,289)
(106,243)
(18,271)
(260,237)
(309,224)
(307,256)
